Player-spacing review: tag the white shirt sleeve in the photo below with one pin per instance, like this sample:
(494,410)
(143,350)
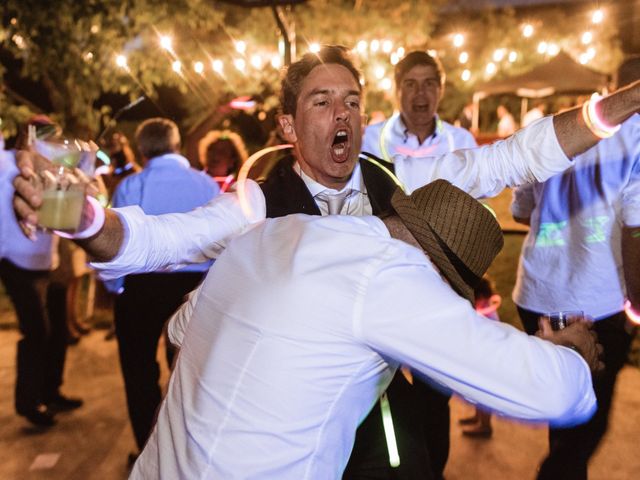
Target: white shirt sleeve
(410,315)
(168,242)
(178,323)
(531,154)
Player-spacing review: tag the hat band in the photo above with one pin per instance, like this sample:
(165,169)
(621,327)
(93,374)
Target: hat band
(465,273)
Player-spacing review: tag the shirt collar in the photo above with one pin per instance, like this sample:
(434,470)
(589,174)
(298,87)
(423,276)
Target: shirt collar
(400,130)
(168,159)
(355,183)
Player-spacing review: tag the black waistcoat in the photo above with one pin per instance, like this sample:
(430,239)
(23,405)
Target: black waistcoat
(286,193)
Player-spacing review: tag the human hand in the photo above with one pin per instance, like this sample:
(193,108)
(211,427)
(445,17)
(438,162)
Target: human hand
(28,189)
(578,336)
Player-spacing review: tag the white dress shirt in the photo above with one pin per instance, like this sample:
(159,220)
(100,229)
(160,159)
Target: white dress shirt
(156,243)
(300,327)
(356,201)
(391,140)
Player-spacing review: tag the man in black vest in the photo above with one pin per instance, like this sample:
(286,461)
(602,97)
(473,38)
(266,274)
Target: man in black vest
(321,118)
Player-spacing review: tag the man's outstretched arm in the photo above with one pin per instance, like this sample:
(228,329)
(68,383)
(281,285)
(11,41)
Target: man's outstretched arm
(133,242)
(574,136)
(102,246)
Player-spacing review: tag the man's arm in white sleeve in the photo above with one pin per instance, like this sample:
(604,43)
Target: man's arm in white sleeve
(177,325)
(150,243)
(412,316)
(534,153)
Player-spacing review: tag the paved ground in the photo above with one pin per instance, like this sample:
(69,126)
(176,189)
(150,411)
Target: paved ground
(93,442)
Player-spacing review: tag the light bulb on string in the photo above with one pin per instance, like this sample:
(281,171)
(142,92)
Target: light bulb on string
(256,61)
(217,66)
(240,64)
(386,84)
(362,46)
(241,47)
(121,61)
(166,42)
(597,16)
(276,61)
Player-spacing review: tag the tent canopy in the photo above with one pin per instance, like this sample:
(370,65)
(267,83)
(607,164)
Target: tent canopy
(560,75)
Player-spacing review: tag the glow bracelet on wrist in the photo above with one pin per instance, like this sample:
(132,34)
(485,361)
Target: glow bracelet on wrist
(632,315)
(91,230)
(593,121)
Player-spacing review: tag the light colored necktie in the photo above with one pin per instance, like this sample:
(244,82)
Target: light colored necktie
(334,201)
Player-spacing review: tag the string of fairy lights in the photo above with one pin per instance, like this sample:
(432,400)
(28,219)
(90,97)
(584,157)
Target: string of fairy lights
(379,55)
(382,55)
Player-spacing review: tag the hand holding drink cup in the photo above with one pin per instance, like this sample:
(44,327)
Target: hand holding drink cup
(561,320)
(573,329)
(61,182)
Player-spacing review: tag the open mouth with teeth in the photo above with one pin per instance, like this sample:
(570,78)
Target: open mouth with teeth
(340,145)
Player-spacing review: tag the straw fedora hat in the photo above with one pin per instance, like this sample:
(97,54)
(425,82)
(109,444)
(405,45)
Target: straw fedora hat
(460,235)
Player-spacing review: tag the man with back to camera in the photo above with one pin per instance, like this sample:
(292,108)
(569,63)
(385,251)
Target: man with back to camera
(416,134)
(322,119)
(278,366)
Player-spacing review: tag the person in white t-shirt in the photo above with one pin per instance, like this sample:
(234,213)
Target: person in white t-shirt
(581,254)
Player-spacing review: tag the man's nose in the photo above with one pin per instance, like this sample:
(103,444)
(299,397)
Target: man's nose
(342,113)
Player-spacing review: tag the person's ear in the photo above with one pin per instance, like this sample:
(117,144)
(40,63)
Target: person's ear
(287,130)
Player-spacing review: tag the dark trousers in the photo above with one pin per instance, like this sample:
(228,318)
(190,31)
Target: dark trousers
(370,456)
(41,319)
(140,314)
(571,448)
(436,420)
